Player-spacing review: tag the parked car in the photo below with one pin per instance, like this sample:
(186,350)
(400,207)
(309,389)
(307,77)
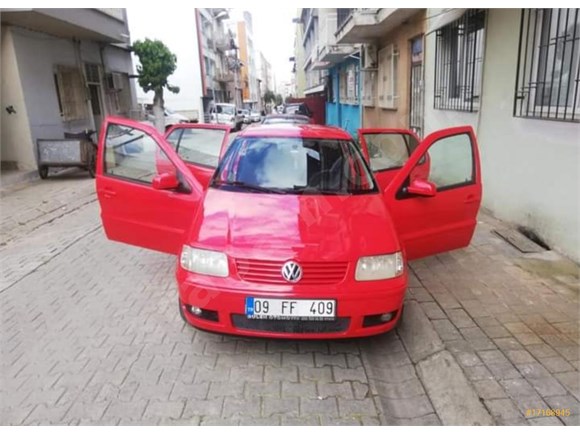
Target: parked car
(297,108)
(286,119)
(225,114)
(245,114)
(171,117)
(292,236)
(255,116)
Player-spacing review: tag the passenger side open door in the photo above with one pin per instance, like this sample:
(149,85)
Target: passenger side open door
(147,194)
(436,211)
(387,150)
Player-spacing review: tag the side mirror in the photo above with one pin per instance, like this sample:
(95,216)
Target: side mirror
(422,188)
(165,181)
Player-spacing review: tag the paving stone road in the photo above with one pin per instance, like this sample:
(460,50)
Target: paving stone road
(90,334)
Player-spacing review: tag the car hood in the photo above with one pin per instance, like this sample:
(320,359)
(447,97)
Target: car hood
(305,227)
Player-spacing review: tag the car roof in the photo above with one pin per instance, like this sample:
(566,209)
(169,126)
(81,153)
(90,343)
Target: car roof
(310,131)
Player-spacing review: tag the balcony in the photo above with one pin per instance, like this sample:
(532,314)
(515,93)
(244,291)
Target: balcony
(224,76)
(330,55)
(369,25)
(102,25)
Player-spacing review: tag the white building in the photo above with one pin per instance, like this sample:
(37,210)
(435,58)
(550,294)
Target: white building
(63,71)
(513,76)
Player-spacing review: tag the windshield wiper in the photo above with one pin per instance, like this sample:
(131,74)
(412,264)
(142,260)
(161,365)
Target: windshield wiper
(251,187)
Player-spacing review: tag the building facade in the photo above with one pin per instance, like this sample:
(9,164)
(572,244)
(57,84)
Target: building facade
(512,74)
(249,76)
(214,47)
(63,71)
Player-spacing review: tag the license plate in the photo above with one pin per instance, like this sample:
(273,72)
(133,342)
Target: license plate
(295,309)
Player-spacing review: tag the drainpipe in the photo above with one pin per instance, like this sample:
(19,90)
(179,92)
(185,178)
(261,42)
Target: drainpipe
(360,88)
(79,62)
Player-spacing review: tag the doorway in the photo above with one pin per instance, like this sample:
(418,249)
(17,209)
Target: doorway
(417,88)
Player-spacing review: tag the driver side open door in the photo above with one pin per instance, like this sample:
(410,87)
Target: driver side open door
(148,196)
(436,211)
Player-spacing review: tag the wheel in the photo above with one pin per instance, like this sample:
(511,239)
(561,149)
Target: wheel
(43,172)
(92,167)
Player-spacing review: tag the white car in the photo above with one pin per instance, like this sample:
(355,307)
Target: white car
(171,118)
(225,113)
(255,116)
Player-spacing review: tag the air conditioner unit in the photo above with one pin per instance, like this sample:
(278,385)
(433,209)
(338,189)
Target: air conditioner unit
(115,82)
(369,57)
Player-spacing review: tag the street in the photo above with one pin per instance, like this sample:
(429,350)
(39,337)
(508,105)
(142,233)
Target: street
(90,333)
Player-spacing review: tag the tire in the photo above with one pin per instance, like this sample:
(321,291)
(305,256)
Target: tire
(43,172)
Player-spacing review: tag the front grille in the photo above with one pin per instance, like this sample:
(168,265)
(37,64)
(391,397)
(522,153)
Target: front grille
(270,272)
(291,326)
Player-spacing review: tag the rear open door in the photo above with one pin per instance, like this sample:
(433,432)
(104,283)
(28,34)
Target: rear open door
(148,196)
(200,146)
(387,150)
(436,211)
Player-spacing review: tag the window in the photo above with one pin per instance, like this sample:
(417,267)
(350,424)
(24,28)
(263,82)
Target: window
(197,145)
(389,150)
(449,163)
(71,93)
(369,90)
(459,49)
(549,52)
(348,84)
(133,154)
(294,165)
(387,85)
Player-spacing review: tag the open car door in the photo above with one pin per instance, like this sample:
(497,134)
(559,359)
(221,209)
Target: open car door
(147,195)
(387,150)
(200,146)
(437,211)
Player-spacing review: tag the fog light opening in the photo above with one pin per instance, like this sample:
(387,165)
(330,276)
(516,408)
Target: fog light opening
(387,317)
(196,311)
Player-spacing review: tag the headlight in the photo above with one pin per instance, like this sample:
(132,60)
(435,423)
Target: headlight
(379,267)
(204,262)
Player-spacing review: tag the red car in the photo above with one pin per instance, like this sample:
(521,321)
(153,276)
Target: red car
(291,235)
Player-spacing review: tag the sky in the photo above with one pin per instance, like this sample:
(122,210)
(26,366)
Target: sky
(274,36)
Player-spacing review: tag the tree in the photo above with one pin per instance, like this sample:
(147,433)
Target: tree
(269,96)
(279,99)
(157,63)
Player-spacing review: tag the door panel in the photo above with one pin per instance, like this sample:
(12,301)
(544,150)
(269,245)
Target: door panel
(200,146)
(130,155)
(429,225)
(387,150)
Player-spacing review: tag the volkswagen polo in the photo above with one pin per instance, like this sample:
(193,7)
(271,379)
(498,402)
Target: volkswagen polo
(290,230)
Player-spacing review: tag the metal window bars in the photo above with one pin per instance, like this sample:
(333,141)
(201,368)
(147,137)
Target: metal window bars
(459,49)
(548,65)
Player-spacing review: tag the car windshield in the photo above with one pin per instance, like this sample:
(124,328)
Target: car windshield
(294,166)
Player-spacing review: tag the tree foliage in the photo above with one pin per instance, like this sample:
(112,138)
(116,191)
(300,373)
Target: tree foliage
(279,99)
(269,96)
(157,63)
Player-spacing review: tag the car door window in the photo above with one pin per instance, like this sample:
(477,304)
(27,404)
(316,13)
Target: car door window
(451,163)
(134,155)
(197,145)
(389,150)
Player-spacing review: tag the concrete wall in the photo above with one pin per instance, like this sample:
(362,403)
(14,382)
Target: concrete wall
(181,38)
(530,167)
(397,118)
(15,140)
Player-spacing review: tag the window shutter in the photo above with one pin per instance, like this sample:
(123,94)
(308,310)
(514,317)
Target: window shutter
(72,93)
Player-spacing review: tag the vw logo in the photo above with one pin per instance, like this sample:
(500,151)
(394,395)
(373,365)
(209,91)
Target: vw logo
(291,271)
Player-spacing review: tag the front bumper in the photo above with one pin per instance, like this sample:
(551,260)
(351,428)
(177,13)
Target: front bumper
(355,306)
